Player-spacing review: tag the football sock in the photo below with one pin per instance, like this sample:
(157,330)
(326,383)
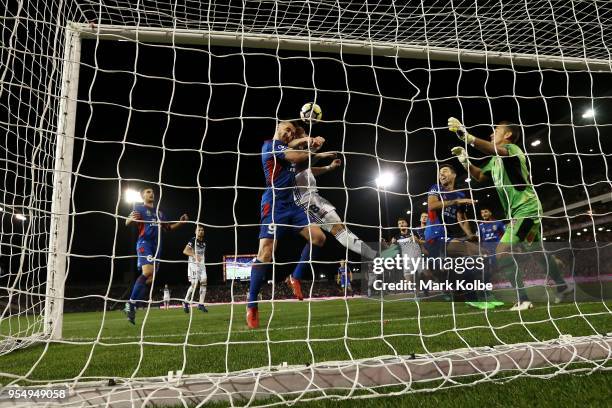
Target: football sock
(138,290)
(554,272)
(258,275)
(353,243)
(202,293)
(507,266)
(300,269)
(188,295)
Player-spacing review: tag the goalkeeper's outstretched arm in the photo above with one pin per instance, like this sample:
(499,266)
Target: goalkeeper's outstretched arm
(488,147)
(484,146)
(475,172)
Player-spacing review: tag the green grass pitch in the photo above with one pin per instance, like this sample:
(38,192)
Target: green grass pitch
(97,346)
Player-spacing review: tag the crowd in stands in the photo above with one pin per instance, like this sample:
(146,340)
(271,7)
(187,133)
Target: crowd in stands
(91,298)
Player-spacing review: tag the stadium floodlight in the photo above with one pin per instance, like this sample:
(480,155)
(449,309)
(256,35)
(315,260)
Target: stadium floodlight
(132,196)
(585,229)
(1,209)
(385,179)
(424,202)
(536,142)
(579,233)
(467,180)
(600,229)
(408,212)
(588,114)
(608,230)
(21,217)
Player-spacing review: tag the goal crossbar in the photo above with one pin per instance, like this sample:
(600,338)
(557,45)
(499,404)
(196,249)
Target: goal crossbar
(334,45)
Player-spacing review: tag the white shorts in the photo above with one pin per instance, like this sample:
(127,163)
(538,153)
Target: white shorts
(195,274)
(320,211)
(166,298)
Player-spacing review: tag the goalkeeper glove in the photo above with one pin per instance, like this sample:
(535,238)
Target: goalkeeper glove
(455,126)
(462,156)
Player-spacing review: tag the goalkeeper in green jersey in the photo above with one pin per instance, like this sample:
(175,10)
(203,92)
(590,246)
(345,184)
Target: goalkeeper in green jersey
(508,169)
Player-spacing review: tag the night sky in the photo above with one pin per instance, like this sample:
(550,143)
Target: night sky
(192,122)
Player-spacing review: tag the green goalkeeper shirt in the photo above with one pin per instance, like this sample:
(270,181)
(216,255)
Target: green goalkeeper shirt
(511,179)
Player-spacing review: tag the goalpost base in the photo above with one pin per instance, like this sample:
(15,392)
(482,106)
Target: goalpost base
(346,377)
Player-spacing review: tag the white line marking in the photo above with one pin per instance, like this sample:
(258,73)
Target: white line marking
(284,328)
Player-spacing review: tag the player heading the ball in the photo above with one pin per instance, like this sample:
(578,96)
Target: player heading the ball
(279,212)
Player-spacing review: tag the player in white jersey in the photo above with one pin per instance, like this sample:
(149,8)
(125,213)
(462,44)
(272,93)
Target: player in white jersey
(409,247)
(196,270)
(166,297)
(323,212)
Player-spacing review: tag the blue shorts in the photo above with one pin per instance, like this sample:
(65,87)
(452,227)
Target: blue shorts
(147,254)
(290,214)
(344,281)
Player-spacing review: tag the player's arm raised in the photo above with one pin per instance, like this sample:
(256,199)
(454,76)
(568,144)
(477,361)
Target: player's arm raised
(475,172)
(183,220)
(133,217)
(317,171)
(299,143)
(299,156)
(304,142)
(486,147)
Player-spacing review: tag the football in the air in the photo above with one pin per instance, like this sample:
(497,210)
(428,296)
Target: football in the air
(311,112)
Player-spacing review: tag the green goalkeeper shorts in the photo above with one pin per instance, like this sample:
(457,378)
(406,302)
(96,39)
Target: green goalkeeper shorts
(522,230)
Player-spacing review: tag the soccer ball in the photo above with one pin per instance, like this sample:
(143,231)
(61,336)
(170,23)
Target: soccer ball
(311,111)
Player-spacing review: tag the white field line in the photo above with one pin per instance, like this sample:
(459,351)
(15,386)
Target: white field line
(284,328)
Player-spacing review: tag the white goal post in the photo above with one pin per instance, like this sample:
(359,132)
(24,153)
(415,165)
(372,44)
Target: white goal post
(75,32)
(332,45)
(62,181)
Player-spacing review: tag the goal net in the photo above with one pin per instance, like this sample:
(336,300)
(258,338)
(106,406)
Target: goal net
(101,101)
